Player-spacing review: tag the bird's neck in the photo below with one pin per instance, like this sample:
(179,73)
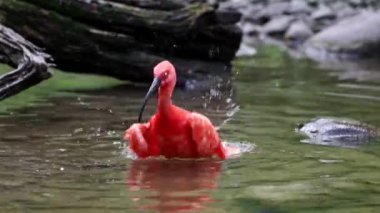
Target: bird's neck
(165,100)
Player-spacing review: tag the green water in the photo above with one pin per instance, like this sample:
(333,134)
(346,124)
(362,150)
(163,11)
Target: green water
(59,85)
(61,151)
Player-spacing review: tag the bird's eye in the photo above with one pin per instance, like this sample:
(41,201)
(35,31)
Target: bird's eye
(166,74)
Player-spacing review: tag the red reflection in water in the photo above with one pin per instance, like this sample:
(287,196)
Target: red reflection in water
(173,185)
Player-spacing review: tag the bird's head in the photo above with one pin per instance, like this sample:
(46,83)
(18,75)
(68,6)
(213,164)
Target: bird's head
(165,72)
(164,78)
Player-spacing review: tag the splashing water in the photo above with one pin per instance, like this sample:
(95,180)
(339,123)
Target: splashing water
(128,153)
(234,149)
(230,114)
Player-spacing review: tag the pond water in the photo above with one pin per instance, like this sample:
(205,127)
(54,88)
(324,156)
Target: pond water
(63,151)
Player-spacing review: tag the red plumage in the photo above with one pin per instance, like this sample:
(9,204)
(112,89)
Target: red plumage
(174,132)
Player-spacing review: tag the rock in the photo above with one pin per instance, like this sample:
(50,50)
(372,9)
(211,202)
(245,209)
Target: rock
(357,36)
(343,9)
(337,132)
(234,4)
(273,9)
(298,7)
(323,17)
(346,12)
(360,3)
(250,12)
(323,12)
(278,25)
(250,29)
(226,17)
(246,50)
(364,3)
(339,5)
(313,3)
(356,3)
(298,31)
(247,47)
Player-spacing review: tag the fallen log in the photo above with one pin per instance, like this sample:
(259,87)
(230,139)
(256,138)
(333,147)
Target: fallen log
(29,60)
(126,38)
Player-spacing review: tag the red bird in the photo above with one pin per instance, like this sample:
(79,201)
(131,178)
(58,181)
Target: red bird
(173,132)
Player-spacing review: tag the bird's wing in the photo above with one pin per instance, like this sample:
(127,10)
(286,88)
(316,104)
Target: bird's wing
(205,136)
(136,136)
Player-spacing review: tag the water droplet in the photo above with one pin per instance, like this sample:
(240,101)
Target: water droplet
(128,153)
(78,130)
(116,143)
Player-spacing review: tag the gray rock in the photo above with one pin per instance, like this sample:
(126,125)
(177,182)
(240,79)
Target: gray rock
(337,132)
(355,36)
(298,6)
(323,12)
(339,5)
(343,9)
(312,3)
(346,12)
(251,29)
(251,11)
(246,50)
(298,31)
(273,9)
(278,25)
(323,17)
(356,3)
(234,4)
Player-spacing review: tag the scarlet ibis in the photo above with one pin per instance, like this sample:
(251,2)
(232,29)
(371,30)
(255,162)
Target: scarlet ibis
(173,132)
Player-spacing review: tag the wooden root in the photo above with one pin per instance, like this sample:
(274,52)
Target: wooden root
(29,60)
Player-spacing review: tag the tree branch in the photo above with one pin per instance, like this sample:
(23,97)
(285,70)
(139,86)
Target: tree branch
(30,61)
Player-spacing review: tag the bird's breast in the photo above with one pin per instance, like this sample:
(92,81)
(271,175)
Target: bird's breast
(176,145)
(173,136)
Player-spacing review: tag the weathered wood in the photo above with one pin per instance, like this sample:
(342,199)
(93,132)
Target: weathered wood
(158,4)
(30,61)
(126,38)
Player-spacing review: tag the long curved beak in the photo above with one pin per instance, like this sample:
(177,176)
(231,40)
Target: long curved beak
(152,90)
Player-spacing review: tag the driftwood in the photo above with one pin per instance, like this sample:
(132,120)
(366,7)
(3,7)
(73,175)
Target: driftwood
(30,61)
(126,38)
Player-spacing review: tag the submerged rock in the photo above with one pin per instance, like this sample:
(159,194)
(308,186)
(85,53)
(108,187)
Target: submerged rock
(352,37)
(337,132)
